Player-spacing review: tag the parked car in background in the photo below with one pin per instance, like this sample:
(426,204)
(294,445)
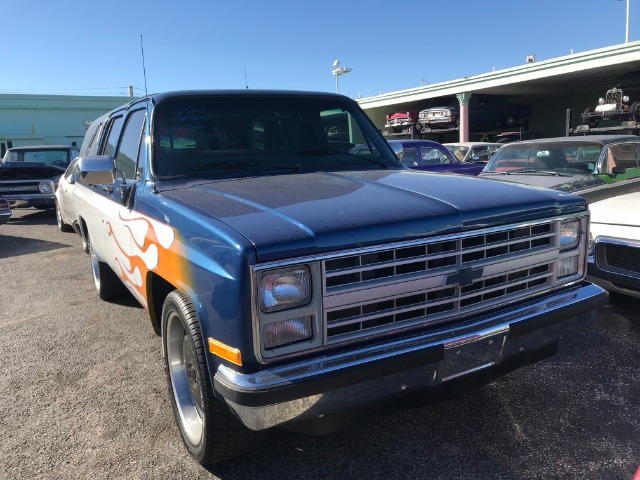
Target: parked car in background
(66,213)
(614,251)
(595,167)
(470,152)
(293,280)
(508,137)
(400,121)
(620,103)
(29,175)
(5,211)
(432,157)
(484,111)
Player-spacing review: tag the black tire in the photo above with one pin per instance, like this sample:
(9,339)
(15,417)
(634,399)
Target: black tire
(210,432)
(635,111)
(64,227)
(591,121)
(86,244)
(106,282)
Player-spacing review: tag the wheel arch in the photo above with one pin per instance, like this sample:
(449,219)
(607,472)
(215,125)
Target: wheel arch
(84,233)
(157,290)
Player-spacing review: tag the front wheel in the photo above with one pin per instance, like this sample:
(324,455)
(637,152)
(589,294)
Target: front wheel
(107,283)
(591,121)
(635,111)
(64,227)
(209,430)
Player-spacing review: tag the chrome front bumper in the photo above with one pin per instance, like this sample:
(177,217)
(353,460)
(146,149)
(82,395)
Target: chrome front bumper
(339,382)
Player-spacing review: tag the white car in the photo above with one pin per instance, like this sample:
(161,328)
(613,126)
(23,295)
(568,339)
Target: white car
(66,213)
(473,151)
(614,254)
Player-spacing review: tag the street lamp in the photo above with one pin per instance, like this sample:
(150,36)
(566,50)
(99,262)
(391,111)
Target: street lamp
(627,38)
(339,71)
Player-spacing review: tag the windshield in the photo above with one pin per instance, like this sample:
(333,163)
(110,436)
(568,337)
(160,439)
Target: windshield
(193,136)
(570,157)
(59,158)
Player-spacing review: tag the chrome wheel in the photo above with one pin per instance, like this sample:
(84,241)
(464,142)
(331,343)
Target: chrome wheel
(95,269)
(186,383)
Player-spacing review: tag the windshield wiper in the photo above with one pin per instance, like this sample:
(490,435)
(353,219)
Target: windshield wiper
(333,151)
(227,165)
(541,172)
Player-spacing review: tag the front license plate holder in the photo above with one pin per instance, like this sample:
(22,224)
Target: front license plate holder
(468,355)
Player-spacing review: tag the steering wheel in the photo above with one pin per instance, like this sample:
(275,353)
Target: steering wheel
(59,163)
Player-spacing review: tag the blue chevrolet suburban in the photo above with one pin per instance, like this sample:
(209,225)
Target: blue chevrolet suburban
(293,281)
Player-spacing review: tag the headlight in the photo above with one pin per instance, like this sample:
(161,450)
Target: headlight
(569,234)
(45,187)
(284,288)
(601,101)
(446,113)
(625,99)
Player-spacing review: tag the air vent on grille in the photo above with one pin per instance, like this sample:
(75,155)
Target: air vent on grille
(622,257)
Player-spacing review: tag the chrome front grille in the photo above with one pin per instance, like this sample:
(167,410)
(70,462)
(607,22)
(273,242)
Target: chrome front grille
(433,282)
(614,96)
(19,187)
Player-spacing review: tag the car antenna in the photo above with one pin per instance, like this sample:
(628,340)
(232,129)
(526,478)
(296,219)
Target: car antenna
(246,85)
(144,70)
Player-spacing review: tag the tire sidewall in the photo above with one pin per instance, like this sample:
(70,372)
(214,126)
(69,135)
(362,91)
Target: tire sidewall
(173,305)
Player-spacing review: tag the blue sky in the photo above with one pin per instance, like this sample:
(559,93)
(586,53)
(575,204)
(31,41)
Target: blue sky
(83,47)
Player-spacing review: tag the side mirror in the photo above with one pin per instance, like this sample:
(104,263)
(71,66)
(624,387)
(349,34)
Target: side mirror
(617,171)
(96,170)
(127,195)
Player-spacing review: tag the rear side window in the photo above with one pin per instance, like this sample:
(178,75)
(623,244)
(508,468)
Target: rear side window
(91,138)
(112,139)
(127,156)
(622,155)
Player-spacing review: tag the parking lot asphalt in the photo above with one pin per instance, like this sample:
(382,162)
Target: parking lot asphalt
(83,395)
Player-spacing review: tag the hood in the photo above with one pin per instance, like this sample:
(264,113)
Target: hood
(620,210)
(311,213)
(29,171)
(564,183)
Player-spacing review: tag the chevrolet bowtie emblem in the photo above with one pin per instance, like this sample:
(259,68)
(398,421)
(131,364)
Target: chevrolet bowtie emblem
(464,277)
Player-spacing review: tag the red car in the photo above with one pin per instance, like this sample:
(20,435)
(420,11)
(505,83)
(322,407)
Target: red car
(401,120)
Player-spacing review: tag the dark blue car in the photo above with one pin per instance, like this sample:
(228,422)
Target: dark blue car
(297,276)
(432,157)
